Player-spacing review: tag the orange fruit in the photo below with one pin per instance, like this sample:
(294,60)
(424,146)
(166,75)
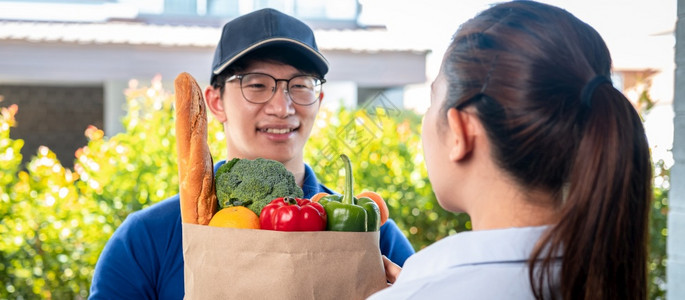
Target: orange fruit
(318,197)
(235,217)
(382,206)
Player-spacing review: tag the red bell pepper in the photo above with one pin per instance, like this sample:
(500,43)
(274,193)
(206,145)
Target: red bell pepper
(293,214)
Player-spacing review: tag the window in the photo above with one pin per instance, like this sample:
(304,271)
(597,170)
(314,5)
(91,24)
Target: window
(333,9)
(285,6)
(223,7)
(316,10)
(180,7)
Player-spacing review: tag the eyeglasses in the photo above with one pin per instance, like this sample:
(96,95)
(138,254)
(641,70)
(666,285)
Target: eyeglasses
(259,88)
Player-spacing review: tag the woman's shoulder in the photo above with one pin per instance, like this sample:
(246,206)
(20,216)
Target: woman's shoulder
(487,281)
(486,249)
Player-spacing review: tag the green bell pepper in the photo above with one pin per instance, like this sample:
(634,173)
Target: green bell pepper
(347,213)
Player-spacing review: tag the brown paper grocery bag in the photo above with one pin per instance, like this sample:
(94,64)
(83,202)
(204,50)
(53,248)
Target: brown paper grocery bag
(227,263)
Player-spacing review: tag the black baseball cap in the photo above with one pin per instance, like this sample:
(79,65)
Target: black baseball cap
(264,28)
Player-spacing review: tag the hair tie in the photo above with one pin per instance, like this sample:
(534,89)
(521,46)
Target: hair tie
(589,88)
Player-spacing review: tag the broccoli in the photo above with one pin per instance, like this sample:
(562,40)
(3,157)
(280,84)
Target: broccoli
(254,183)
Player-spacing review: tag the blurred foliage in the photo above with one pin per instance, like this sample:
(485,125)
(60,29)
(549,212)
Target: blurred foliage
(658,229)
(136,168)
(658,232)
(48,228)
(55,221)
(384,144)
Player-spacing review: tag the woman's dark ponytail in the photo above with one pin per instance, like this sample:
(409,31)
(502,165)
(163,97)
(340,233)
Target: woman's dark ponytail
(602,228)
(538,79)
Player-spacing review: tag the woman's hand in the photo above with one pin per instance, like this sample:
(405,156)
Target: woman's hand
(392,270)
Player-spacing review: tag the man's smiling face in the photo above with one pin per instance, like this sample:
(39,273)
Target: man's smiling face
(277,129)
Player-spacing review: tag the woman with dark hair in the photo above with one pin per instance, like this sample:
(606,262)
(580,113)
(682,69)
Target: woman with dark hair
(527,135)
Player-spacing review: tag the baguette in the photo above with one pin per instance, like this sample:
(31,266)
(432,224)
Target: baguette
(195,165)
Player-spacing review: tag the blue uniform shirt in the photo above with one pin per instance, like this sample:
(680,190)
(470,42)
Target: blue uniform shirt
(144,257)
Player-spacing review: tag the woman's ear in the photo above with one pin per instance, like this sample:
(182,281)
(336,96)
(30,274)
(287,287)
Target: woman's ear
(215,103)
(462,134)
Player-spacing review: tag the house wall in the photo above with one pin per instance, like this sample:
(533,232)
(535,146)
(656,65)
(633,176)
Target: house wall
(112,65)
(53,116)
(43,65)
(675,272)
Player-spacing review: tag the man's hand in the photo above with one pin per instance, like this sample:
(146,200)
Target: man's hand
(392,270)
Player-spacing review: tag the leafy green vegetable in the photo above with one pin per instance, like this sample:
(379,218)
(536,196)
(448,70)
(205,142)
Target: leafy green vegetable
(254,183)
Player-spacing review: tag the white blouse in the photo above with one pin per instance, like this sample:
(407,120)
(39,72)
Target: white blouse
(486,264)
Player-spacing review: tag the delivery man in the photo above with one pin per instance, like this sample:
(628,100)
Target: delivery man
(143,259)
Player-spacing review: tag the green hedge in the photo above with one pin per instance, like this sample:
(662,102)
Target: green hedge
(55,221)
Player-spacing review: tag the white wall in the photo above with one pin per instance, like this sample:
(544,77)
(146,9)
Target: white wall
(339,93)
(675,271)
(114,106)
